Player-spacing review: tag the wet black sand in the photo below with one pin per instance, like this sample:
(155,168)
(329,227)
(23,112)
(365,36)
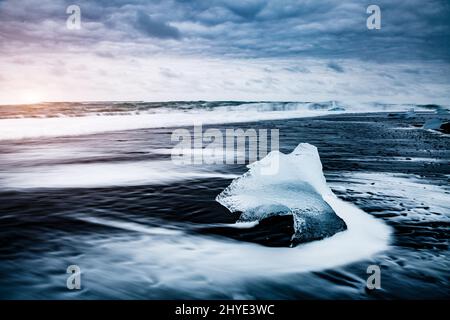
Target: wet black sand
(385,164)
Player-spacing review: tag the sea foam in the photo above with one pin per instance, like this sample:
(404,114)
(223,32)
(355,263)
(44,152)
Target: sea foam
(72,121)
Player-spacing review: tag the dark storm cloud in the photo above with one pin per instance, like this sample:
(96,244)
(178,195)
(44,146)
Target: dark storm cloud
(335,67)
(157,29)
(331,29)
(297,69)
(247,9)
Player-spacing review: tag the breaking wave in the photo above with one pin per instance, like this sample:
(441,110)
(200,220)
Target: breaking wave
(69,119)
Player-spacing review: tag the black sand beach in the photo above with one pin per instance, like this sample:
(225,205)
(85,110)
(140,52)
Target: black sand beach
(384,163)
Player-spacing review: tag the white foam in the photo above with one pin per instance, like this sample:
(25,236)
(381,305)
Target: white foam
(414,191)
(69,126)
(31,153)
(190,262)
(364,237)
(91,175)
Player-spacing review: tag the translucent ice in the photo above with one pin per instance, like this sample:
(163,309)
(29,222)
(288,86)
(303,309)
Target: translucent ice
(297,188)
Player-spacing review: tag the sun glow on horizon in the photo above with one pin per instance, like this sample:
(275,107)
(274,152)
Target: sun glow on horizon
(29,97)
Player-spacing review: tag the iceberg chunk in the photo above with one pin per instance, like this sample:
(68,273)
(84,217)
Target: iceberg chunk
(433,124)
(297,188)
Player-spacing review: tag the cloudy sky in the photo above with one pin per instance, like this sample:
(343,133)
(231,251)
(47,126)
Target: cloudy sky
(158,50)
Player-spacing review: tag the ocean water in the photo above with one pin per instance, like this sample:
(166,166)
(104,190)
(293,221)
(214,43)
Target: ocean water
(93,185)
